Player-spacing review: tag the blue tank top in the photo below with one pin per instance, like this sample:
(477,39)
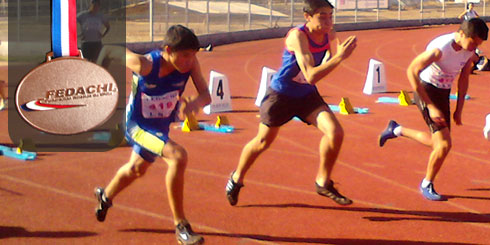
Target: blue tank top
(289,80)
(153,101)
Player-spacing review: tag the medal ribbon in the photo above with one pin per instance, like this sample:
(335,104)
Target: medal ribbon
(64,28)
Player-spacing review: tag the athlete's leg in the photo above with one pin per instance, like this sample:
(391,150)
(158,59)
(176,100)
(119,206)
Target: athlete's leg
(275,110)
(441,146)
(330,143)
(417,135)
(176,158)
(253,149)
(135,168)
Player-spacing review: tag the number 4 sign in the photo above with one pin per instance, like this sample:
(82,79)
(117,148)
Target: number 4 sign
(376,78)
(220,93)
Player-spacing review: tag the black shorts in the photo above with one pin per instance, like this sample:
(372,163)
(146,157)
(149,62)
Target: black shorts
(440,98)
(91,50)
(277,109)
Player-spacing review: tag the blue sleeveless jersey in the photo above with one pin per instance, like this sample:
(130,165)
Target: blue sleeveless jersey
(153,102)
(289,80)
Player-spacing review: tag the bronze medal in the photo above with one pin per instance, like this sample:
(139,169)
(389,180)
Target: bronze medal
(66,95)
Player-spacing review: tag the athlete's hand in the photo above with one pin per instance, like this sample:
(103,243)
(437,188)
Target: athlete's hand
(346,48)
(187,107)
(437,116)
(457,118)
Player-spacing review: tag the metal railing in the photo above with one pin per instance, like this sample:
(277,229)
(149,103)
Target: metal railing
(213,16)
(147,20)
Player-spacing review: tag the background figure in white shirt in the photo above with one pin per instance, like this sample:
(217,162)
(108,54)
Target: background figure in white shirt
(92,23)
(469,13)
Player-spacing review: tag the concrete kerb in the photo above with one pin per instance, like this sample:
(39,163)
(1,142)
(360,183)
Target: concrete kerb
(217,39)
(23,50)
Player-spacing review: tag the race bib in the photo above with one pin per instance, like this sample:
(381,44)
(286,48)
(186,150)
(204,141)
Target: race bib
(159,106)
(442,80)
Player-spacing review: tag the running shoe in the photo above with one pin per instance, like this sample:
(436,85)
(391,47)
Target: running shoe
(232,190)
(329,191)
(186,236)
(388,133)
(103,206)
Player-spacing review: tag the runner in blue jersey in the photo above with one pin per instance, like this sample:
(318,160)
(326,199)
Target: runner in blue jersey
(293,93)
(153,105)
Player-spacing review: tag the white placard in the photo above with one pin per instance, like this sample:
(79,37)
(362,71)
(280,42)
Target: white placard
(376,78)
(219,89)
(265,81)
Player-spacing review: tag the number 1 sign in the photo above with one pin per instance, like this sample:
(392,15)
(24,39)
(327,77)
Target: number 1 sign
(376,78)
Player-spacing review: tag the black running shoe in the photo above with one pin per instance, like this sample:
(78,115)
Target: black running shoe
(103,206)
(388,133)
(232,190)
(329,191)
(185,235)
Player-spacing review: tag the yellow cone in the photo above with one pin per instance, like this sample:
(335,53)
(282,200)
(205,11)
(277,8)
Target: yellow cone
(26,144)
(190,123)
(222,120)
(345,106)
(404,98)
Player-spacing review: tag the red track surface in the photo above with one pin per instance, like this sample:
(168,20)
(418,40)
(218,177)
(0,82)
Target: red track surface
(50,200)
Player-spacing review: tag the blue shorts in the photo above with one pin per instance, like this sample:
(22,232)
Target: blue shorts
(144,153)
(147,144)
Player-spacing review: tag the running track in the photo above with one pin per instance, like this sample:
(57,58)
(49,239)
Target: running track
(50,200)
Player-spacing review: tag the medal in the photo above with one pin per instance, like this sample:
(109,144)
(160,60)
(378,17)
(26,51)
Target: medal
(66,94)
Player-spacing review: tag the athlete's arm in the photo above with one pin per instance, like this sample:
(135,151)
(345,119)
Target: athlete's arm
(298,43)
(139,64)
(107,26)
(461,16)
(421,62)
(192,105)
(463,82)
(332,39)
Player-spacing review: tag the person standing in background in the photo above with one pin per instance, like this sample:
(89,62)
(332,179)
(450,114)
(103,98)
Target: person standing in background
(469,13)
(91,23)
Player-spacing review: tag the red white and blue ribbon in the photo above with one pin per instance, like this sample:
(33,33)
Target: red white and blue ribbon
(64,28)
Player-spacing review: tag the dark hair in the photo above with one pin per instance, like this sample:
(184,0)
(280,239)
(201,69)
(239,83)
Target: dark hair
(180,38)
(311,6)
(475,27)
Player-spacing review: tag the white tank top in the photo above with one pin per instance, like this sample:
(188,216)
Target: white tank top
(470,14)
(443,72)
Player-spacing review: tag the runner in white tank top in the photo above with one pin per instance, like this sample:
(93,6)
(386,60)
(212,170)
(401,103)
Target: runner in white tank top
(442,73)
(431,75)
